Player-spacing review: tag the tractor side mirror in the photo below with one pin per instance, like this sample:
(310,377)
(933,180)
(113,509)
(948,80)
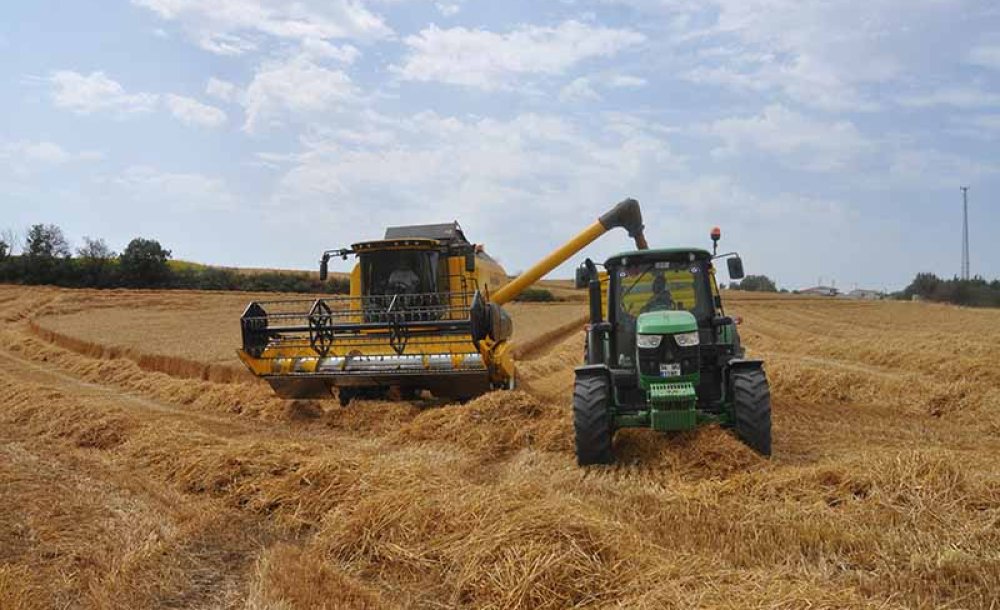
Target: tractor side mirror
(720,321)
(735,265)
(470,262)
(582,277)
(324,265)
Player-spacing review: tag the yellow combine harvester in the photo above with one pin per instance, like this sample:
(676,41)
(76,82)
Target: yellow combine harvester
(424,313)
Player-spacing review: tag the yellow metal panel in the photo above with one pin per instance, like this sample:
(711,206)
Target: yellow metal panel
(356,280)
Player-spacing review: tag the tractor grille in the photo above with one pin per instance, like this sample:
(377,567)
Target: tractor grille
(668,352)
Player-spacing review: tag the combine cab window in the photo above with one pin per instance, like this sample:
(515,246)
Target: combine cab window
(392,272)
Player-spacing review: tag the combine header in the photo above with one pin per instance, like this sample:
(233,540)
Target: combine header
(424,313)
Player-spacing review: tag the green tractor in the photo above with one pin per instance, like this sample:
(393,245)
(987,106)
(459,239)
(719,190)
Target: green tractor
(661,353)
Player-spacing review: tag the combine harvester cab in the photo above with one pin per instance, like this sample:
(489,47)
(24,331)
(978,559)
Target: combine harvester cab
(424,313)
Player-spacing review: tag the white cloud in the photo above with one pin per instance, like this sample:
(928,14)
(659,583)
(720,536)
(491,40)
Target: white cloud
(233,27)
(429,151)
(932,167)
(24,158)
(797,140)
(296,85)
(578,89)
(836,56)
(985,126)
(585,88)
(490,60)
(426,167)
(626,81)
(44,152)
(958,96)
(187,191)
(221,89)
(321,49)
(987,56)
(516,182)
(448,9)
(95,92)
(193,112)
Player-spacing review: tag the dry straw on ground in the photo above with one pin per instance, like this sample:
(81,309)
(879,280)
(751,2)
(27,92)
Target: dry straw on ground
(125,486)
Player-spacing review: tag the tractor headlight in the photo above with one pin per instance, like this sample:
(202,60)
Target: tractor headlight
(686,339)
(648,341)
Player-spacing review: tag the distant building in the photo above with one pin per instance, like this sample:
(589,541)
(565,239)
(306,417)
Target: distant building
(865,295)
(821,291)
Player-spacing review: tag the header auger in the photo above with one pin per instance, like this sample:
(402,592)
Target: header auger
(425,312)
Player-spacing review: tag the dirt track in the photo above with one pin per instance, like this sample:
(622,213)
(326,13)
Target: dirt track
(126,486)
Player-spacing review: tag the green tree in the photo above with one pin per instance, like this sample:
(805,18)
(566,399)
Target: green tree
(758,283)
(95,261)
(45,241)
(925,285)
(4,250)
(143,263)
(44,246)
(10,239)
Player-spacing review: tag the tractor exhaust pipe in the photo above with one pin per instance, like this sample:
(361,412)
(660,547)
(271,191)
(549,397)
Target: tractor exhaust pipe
(597,329)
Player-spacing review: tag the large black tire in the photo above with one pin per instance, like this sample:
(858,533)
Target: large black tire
(752,409)
(592,420)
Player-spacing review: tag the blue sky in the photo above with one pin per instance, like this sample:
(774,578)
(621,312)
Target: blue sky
(828,139)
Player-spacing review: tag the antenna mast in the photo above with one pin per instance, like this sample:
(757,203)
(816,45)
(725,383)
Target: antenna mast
(965,232)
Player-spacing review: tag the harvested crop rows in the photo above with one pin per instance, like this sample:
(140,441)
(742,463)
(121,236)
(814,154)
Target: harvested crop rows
(141,469)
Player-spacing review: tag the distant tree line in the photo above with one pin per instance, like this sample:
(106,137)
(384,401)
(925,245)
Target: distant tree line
(45,257)
(976,292)
(755,283)
(536,295)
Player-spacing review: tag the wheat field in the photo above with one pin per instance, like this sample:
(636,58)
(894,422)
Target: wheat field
(140,468)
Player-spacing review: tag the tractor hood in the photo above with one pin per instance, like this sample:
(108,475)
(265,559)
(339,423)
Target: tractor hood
(665,323)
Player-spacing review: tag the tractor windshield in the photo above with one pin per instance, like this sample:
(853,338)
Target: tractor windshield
(658,286)
(664,285)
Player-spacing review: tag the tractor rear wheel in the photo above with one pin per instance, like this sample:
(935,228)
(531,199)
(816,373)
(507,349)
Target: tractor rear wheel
(592,420)
(752,409)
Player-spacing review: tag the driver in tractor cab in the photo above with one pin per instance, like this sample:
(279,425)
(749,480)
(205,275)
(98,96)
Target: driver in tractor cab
(661,299)
(403,281)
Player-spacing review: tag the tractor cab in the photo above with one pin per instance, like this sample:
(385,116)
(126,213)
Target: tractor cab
(662,354)
(667,321)
(658,289)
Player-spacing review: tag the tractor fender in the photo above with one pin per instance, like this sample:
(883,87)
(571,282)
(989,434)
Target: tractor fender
(744,363)
(591,370)
(739,364)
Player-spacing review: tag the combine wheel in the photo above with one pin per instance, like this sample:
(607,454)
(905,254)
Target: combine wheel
(752,409)
(592,420)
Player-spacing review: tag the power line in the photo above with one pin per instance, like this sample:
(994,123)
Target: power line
(965,232)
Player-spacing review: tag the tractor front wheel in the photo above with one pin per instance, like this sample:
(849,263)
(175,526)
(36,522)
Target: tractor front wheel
(592,420)
(752,409)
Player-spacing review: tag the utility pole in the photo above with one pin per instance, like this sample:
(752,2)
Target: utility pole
(965,232)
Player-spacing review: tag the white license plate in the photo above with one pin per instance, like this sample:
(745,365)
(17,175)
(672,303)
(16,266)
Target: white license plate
(670,370)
